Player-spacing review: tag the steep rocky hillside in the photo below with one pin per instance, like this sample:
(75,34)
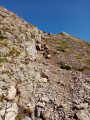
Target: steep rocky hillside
(43,76)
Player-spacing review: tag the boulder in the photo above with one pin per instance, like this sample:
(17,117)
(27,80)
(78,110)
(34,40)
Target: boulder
(83,115)
(43,80)
(49,33)
(11,93)
(38,46)
(40,104)
(44,75)
(48,56)
(26,118)
(37,112)
(11,111)
(44,99)
(81,106)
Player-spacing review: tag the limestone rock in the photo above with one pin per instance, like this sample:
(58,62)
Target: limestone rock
(81,106)
(26,118)
(37,112)
(64,106)
(48,56)
(44,99)
(38,46)
(11,93)
(44,75)
(50,33)
(83,115)
(40,104)
(44,80)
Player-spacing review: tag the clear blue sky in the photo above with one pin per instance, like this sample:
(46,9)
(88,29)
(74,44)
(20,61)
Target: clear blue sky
(71,16)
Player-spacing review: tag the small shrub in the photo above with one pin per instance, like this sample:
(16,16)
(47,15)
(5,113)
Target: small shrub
(67,67)
(29,112)
(62,49)
(55,53)
(19,117)
(19,82)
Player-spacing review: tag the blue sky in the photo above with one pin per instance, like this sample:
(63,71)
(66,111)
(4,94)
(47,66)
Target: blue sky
(71,16)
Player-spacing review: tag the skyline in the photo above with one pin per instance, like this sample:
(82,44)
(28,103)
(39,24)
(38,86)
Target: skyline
(54,16)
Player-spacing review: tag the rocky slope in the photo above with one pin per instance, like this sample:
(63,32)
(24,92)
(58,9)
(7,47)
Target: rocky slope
(42,76)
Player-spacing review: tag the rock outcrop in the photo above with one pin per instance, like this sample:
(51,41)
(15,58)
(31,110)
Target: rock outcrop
(42,76)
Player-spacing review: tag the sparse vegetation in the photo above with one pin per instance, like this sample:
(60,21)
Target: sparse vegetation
(13,51)
(83,69)
(67,67)
(88,61)
(6,72)
(5,29)
(79,56)
(88,51)
(19,117)
(2,37)
(29,112)
(32,36)
(63,45)
(19,82)
(20,29)
(55,52)
(4,44)
(3,60)
(52,41)
(24,112)
(1,99)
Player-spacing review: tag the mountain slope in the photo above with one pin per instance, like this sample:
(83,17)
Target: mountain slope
(42,76)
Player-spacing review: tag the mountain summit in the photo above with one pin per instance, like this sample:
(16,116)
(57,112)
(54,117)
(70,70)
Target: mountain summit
(43,76)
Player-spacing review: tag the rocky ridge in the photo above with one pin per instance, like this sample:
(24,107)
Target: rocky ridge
(43,76)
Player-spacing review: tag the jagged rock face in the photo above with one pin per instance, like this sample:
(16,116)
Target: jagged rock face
(17,56)
(42,76)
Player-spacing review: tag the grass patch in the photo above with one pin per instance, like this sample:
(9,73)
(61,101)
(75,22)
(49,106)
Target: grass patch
(1,99)
(63,45)
(83,69)
(88,51)
(24,112)
(13,51)
(32,36)
(19,117)
(79,56)
(6,72)
(52,40)
(55,53)
(4,44)
(88,61)
(20,29)
(2,37)
(29,112)
(3,60)
(5,29)
(67,67)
